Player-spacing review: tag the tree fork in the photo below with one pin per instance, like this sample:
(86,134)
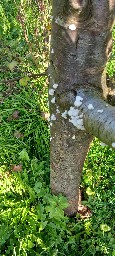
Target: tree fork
(80,46)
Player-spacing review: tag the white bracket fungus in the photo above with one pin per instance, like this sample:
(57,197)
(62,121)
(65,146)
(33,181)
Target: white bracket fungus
(51,91)
(113,144)
(100,110)
(55,86)
(75,118)
(64,114)
(90,107)
(53,100)
(78,101)
(73,112)
(72,27)
(53,117)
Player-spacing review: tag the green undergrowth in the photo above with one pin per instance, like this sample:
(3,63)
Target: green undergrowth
(32,220)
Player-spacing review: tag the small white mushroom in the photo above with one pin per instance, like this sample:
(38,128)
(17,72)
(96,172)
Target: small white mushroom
(78,101)
(73,138)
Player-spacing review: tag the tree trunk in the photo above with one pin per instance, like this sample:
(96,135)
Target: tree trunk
(80,46)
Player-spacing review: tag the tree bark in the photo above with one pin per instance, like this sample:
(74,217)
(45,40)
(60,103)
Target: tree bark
(80,46)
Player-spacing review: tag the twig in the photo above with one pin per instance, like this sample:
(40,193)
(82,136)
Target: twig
(20,77)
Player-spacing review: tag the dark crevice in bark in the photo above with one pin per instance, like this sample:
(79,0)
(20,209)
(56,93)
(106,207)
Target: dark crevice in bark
(80,10)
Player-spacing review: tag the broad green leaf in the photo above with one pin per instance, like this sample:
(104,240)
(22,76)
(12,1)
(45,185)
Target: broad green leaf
(63,202)
(24,81)
(12,65)
(23,155)
(105,227)
(30,244)
(89,191)
(42,225)
(37,187)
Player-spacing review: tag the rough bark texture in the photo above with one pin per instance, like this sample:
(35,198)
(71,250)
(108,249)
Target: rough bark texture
(80,46)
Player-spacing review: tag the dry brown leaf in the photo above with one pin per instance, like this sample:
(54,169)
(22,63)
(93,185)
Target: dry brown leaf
(17,168)
(15,114)
(45,115)
(18,134)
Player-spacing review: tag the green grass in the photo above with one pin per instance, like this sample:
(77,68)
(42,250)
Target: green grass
(32,220)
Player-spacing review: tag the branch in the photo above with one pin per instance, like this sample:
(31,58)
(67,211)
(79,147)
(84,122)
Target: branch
(100,120)
(20,77)
(89,111)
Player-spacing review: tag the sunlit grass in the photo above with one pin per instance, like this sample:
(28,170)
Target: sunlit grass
(32,220)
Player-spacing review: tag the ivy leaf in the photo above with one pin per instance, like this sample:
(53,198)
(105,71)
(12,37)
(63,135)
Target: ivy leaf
(38,186)
(105,227)
(55,213)
(89,191)
(23,155)
(12,65)
(42,225)
(24,81)
(30,244)
(63,202)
